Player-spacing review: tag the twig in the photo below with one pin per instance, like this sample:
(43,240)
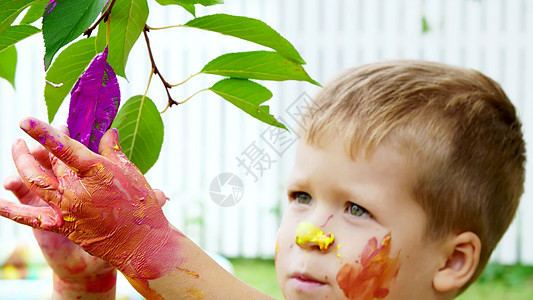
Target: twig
(166,27)
(103,17)
(156,71)
(181,102)
(178,84)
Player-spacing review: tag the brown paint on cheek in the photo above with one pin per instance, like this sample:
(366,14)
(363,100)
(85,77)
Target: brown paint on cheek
(372,276)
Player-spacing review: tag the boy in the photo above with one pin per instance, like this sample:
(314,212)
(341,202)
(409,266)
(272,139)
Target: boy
(407,178)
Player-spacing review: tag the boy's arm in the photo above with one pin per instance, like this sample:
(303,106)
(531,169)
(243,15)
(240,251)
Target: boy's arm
(77,274)
(104,204)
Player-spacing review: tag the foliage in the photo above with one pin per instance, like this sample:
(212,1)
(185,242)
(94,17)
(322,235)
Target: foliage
(509,275)
(118,25)
(259,273)
(502,282)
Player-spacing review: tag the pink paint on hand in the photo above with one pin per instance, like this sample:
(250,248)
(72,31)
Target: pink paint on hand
(102,203)
(371,278)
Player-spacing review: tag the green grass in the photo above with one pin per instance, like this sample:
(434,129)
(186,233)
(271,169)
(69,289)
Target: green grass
(497,282)
(259,273)
(502,282)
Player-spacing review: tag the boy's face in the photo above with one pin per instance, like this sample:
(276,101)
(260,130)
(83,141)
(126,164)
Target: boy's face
(359,203)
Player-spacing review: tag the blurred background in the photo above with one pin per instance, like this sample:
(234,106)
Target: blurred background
(208,141)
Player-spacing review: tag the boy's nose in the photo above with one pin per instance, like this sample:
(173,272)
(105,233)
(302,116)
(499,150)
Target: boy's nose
(309,236)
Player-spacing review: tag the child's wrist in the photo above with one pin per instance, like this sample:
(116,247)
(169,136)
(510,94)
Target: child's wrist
(149,252)
(100,286)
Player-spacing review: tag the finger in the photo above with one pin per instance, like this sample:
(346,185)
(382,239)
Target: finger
(14,184)
(42,156)
(71,152)
(32,174)
(59,167)
(36,217)
(110,147)
(63,129)
(161,197)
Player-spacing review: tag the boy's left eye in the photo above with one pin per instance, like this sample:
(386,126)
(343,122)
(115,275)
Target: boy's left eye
(357,210)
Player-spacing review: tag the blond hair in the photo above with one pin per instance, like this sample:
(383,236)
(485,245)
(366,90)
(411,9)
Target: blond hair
(456,125)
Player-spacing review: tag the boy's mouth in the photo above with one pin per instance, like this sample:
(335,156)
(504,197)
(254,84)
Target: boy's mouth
(304,282)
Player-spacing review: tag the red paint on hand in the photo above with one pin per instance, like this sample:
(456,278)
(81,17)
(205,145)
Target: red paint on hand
(102,202)
(372,277)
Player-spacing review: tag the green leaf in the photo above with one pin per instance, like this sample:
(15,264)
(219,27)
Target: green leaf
(8,64)
(247,95)
(15,34)
(207,2)
(35,12)
(141,131)
(128,18)
(185,4)
(262,65)
(65,21)
(9,11)
(67,67)
(189,4)
(248,29)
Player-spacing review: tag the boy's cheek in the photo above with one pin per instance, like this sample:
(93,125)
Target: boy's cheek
(372,275)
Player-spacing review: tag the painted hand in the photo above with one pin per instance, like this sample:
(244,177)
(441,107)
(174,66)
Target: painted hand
(71,265)
(69,262)
(100,202)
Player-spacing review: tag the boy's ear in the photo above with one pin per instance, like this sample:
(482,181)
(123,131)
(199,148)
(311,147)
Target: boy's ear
(460,259)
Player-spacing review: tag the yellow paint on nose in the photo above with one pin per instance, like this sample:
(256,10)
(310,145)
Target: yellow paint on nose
(308,235)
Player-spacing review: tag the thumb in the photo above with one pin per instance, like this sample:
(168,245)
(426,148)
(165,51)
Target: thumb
(161,197)
(110,147)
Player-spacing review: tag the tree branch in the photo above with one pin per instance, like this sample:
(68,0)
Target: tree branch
(103,17)
(155,70)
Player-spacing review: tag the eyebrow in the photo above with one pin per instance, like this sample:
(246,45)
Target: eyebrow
(297,184)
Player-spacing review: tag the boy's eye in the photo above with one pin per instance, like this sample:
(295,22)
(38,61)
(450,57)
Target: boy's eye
(357,210)
(302,198)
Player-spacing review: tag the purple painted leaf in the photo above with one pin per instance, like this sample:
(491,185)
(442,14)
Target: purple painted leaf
(51,5)
(94,103)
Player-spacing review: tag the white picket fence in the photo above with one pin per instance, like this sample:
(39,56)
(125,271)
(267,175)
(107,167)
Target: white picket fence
(206,136)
